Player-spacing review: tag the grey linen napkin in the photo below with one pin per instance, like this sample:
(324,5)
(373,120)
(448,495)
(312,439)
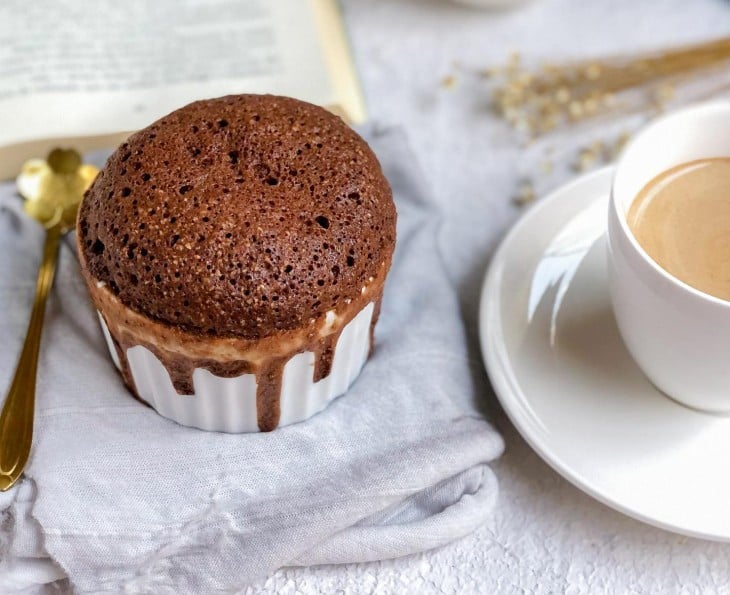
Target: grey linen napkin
(121,500)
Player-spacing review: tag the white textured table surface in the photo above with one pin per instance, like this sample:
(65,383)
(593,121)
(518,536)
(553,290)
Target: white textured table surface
(546,536)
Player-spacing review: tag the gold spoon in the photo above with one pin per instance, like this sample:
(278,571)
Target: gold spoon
(53,190)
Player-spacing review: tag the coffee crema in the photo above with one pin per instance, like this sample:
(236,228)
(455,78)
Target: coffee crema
(682,220)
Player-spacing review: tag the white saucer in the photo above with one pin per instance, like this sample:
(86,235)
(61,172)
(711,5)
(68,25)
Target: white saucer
(566,381)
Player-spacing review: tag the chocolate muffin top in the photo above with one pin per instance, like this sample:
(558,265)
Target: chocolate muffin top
(239,216)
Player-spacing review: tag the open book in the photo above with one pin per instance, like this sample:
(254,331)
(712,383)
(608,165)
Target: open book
(86,74)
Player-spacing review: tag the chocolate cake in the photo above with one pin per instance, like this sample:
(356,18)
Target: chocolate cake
(233,234)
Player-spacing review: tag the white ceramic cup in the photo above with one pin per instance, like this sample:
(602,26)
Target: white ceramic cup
(678,335)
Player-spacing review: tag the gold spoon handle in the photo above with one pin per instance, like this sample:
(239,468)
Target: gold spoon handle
(16,419)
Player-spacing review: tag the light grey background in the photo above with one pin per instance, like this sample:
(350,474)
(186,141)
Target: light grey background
(546,535)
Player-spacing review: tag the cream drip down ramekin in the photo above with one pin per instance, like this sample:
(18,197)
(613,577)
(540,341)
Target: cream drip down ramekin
(235,404)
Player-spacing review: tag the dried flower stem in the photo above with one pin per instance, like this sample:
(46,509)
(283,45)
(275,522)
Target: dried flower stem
(539,101)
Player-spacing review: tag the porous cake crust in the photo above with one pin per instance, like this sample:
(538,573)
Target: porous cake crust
(240,216)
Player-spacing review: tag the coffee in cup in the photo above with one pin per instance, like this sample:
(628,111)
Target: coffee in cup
(681,218)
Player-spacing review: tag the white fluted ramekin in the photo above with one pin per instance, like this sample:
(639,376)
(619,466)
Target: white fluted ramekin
(229,404)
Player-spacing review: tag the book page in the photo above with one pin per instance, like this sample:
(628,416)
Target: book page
(80,69)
